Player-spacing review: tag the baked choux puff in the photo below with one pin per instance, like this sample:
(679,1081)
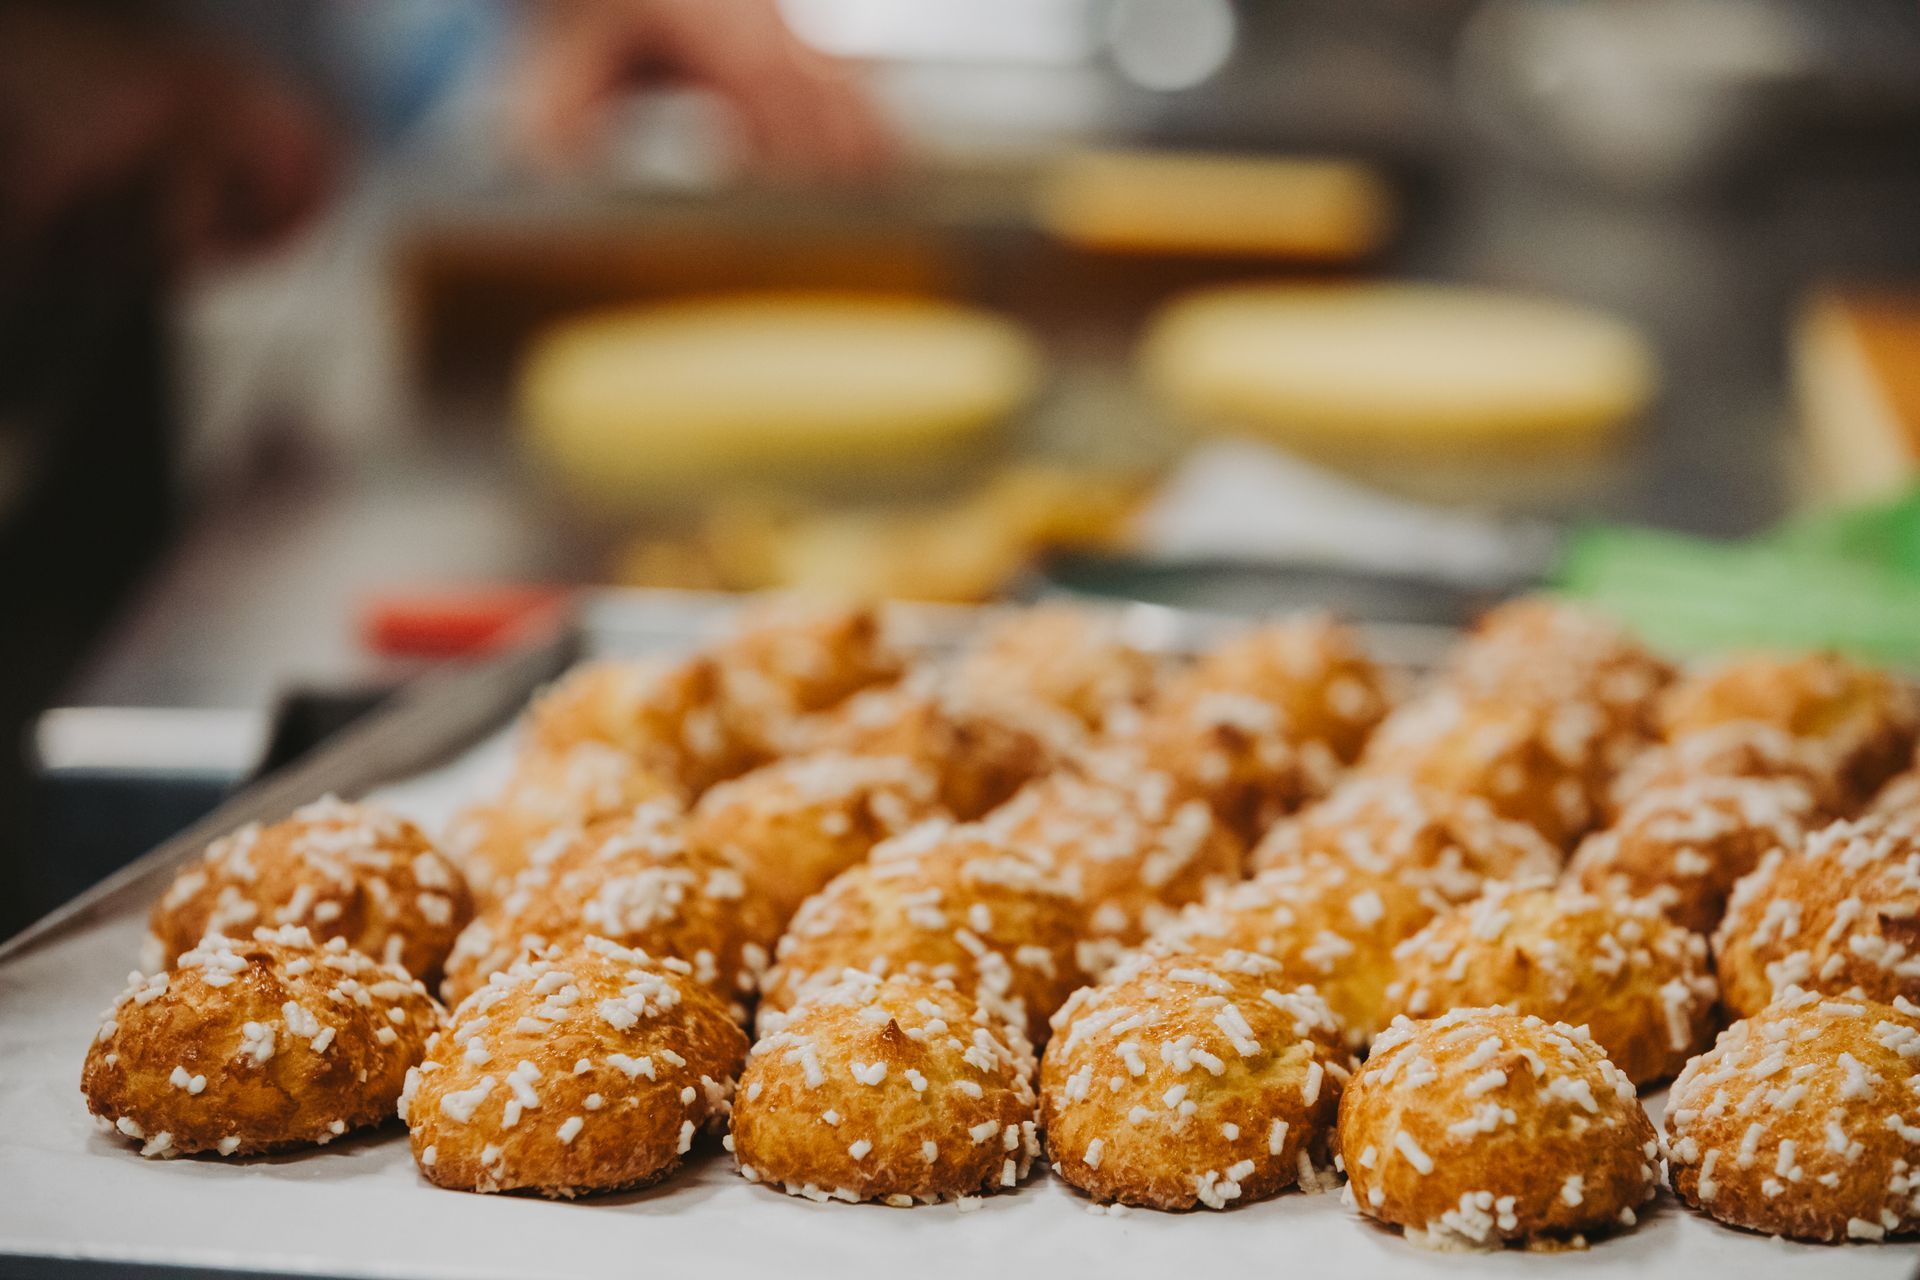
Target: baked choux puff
(808,655)
(1840,914)
(670,714)
(1862,718)
(793,825)
(550,794)
(1384,825)
(348,871)
(1135,851)
(897,1089)
(260,1044)
(1077,660)
(1538,646)
(1745,749)
(981,748)
(1545,762)
(1486,1127)
(1684,847)
(942,902)
(636,881)
(1330,923)
(1804,1120)
(1637,981)
(1192,1080)
(584,1068)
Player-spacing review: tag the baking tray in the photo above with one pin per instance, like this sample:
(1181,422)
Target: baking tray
(73,1201)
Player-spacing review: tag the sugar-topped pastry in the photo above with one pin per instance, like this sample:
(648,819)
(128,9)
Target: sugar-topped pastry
(1458,842)
(981,748)
(1744,749)
(789,658)
(259,1044)
(1182,1081)
(634,880)
(1637,981)
(1077,660)
(672,716)
(1486,1127)
(1540,647)
(550,795)
(590,1067)
(1544,762)
(348,871)
(896,1089)
(1263,722)
(1330,923)
(1841,914)
(1863,719)
(1133,849)
(793,825)
(1803,1120)
(1683,847)
(941,902)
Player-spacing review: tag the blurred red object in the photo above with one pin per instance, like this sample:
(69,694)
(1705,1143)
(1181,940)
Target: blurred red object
(456,622)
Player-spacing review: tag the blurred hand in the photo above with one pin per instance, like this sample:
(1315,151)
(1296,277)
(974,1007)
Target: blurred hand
(102,103)
(803,113)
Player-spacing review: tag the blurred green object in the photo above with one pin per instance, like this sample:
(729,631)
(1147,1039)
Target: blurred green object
(1847,580)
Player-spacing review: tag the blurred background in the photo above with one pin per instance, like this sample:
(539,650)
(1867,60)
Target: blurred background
(336,339)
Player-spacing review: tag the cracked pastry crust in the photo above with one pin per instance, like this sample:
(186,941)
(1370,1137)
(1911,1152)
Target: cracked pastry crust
(254,1045)
(1486,1127)
(1075,660)
(584,1068)
(348,871)
(898,1089)
(1184,1081)
(1841,914)
(1804,1121)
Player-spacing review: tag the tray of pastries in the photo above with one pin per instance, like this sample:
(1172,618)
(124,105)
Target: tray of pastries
(797,937)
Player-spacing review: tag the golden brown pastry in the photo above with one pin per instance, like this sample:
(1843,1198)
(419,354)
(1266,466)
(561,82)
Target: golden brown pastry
(1745,749)
(1192,1080)
(246,1046)
(1543,762)
(1487,1127)
(1804,1120)
(672,716)
(633,880)
(1862,718)
(548,798)
(793,825)
(1382,825)
(1073,659)
(584,1068)
(1637,981)
(941,902)
(982,749)
(789,658)
(1134,852)
(1330,923)
(1259,725)
(345,871)
(1314,670)
(1545,649)
(1683,847)
(1841,915)
(897,1089)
